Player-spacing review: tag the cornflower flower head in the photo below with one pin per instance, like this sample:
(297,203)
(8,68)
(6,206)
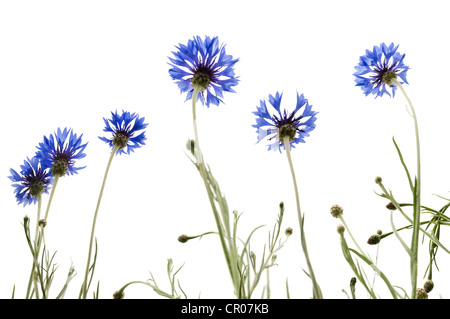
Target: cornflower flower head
(376,70)
(203,64)
(295,125)
(32,181)
(124,128)
(60,151)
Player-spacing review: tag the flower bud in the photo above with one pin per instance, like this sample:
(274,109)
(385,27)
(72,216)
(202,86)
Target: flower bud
(274,257)
(190,145)
(253,258)
(42,223)
(428,285)
(421,294)
(336,211)
(378,179)
(340,229)
(118,294)
(374,239)
(183,238)
(288,231)
(391,206)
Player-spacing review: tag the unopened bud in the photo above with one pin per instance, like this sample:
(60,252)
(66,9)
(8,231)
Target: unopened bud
(119,294)
(336,211)
(428,285)
(340,229)
(190,145)
(288,231)
(421,293)
(374,239)
(378,179)
(253,258)
(183,238)
(391,206)
(42,223)
(274,257)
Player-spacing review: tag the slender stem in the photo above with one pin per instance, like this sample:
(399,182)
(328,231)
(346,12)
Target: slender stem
(223,230)
(264,266)
(416,219)
(52,192)
(317,293)
(85,282)
(35,257)
(198,153)
(370,262)
(351,236)
(398,207)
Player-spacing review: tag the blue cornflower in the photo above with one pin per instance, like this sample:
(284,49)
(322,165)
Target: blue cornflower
(60,151)
(278,126)
(32,181)
(377,68)
(124,127)
(205,65)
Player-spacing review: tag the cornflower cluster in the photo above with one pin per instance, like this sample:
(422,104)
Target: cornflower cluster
(203,71)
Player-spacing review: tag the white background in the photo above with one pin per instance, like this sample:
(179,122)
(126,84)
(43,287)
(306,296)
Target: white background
(70,63)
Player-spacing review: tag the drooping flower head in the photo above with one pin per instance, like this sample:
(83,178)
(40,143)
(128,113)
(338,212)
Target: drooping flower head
(60,151)
(124,128)
(32,181)
(205,65)
(377,68)
(295,126)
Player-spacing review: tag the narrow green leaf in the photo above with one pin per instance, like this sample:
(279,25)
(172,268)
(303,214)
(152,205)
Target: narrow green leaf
(404,165)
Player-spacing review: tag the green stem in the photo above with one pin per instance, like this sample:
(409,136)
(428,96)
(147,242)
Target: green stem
(35,263)
(50,199)
(197,152)
(85,282)
(350,233)
(398,207)
(224,230)
(366,257)
(416,218)
(264,266)
(52,192)
(317,293)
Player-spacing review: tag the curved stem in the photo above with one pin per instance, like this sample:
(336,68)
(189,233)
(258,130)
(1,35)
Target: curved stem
(85,282)
(317,293)
(416,219)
